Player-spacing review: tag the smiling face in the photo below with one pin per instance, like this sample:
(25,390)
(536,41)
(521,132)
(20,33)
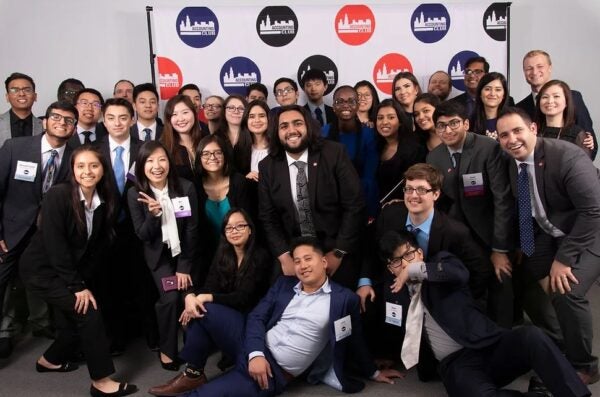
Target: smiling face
(285,94)
(59,130)
(440,85)
(537,70)
(211,158)
(257,120)
(423,114)
(477,70)
(365,98)
(146,106)
(212,108)
(182,119)
(124,90)
(88,105)
(387,122)
(234,110)
(156,168)
(420,205)
(345,104)
(87,170)
(552,100)
(117,121)
(292,131)
(454,138)
(516,137)
(310,267)
(492,94)
(235,237)
(23,97)
(405,93)
(406,251)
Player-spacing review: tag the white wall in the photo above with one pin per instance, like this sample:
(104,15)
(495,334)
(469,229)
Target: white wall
(100,42)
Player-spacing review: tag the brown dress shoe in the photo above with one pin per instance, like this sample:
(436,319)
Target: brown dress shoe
(179,385)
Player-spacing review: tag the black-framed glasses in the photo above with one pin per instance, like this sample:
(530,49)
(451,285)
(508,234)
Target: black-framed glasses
(364,96)
(240,227)
(24,90)
(85,103)
(212,106)
(59,117)
(234,109)
(475,72)
(342,102)
(284,91)
(421,191)
(397,260)
(205,154)
(453,124)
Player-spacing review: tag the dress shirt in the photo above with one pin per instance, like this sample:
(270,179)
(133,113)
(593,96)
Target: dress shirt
(89,210)
(81,137)
(126,145)
(142,134)
(294,172)
(257,156)
(313,106)
(46,149)
(19,126)
(451,151)
(425,229)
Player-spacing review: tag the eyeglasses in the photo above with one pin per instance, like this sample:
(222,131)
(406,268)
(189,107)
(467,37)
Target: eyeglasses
(85,103)
(364,96)
(238,228)
(233,109)
(212,106)
(397,260)
(421,191)
(342,102)
(205,154)
(453,124)
(59,117)
(24,90)
(284,91)
(476,72)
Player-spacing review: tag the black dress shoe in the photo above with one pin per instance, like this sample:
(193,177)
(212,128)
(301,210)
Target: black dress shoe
(5,347)
(65,367)
(125,389)
(172,366)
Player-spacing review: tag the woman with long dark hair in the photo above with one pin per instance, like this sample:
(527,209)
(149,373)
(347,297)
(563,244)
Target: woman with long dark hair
(424,107)
(164,214)
(236,281)
(230,130)
(61,265)
(406,88)
(368,99)
(255,123)
(491,99)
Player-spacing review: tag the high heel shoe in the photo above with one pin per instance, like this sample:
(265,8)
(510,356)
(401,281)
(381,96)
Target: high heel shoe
(124,390)
(64,367)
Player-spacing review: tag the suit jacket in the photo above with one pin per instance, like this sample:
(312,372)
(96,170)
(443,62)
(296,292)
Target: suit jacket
(134,131)
(5,129)
(336,200)
(489,214)
(148,229)
(329,113)
(20,200)
(569,189)
(101,132)
(343,303)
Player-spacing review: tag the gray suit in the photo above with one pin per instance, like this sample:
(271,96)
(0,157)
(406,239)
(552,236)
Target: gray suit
(5,132)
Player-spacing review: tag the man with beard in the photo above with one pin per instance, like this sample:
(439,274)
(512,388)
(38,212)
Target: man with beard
(308,186)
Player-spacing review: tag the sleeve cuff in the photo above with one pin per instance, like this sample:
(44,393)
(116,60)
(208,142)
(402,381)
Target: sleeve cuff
(364,281)
(255,354)
(375,374)
(417,271)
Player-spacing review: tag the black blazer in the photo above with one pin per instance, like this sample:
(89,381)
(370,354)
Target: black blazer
(20,200)
(59,253)
(329,113)
(148,229)
(101,132)
(134,131)
(336,200)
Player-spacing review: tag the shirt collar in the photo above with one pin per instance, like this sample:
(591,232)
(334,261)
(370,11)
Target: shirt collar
(113,145)
(141,127)
(312,106)
(528,160)
(324,289)
(303,158)
(80,129)
(95,200)
(46,147)
(425,227)
(14,118)
(160,192)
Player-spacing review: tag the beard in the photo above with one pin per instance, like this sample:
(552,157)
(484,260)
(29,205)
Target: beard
(298,149)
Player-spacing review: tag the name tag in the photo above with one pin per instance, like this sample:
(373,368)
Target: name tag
(473,185)
(26,171)
(131,173)
(393,314)
(182,207)
(343,328)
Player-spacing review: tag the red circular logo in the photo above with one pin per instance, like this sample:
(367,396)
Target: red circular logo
(354,24)
(387,67)
(169,77)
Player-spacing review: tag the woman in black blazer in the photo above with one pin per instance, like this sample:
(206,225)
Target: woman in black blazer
(60,263)
(164,212)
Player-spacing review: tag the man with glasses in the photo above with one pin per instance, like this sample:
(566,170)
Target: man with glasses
(19,120)
(474,70)
(286,93)
(29,166)
(88,102)
(476,192)
(212,111)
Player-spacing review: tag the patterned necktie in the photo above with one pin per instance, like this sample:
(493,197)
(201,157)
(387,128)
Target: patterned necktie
(87,140)
(414,328)
(307,227)
(525,214)
(456,159)
(319,116)
(49,171)
(148,136)
(119,168)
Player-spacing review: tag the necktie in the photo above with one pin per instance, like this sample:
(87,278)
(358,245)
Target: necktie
(414,328)
(525,214)
(307,227)
(456,159)
(470,105)
(20,124)
(49,171)
(319,116)
(87,140)
(119,168)
(148,136)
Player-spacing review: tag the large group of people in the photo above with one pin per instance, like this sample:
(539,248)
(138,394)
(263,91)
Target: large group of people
(317,242)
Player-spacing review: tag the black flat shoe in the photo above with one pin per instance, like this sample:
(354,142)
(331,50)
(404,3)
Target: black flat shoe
(64,367)
(125,389)
(172,366)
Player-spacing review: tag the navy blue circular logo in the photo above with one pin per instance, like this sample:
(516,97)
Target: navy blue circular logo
(495,20)
(456,68)
(197,27)
(277,25)
(430,22)
(323,63)
(237,74)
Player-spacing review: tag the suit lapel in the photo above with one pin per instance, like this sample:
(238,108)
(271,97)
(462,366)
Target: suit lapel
(435,233)
(467,153)
(65,165)
(313,163)
(34,154)
(281,174)
(539,164)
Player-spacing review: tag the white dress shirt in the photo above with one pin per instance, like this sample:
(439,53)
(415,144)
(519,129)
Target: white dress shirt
(47,149)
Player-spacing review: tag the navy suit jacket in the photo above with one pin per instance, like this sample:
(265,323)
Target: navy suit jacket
(343,303)
(134,131)
(101,132)
(329,113)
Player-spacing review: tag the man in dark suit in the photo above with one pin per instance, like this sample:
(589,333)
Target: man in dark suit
(476,357)
(474,70)
(537,67)
(331,207)
(558,196)
(476,192)
(28,167)
(314,84)
(18,120)
(89,104)
(305,325)
(145,101)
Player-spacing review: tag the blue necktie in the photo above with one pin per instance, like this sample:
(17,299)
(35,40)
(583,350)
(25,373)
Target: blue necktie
(148,136)
(119,169)
(319,116)
(525,214)
(49,171)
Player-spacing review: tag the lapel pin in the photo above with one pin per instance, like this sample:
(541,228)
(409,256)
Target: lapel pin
(314,164)
(449,170)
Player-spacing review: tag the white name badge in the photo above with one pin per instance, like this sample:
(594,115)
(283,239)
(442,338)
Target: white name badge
(473,184)
(26,171)
(393,314)
(131,173)
(182,207)
(343,328)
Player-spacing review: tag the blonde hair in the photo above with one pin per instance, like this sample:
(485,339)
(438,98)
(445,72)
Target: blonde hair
(534,53)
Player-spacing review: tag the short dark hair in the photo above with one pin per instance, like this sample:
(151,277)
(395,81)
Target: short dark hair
(138,89)
(307,240)
(89,91)
(118,102)
(426,172)
(313,74)
(313,130)
(450,108)
(511,110)
(257,87)
(189,86)
(122,81)
(16,76)
(284,80)
(64,83)
(392,239)
(62,105)
(486,65)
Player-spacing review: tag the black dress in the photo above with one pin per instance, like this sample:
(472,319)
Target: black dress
(574,134)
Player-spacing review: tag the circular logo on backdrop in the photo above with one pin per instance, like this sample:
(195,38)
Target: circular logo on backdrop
(323,63)
(197,27)
(277,26)
(237,74)
(355,24)
(495,19)
(456,68)
(169,77)
(387,67)
(430,22)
